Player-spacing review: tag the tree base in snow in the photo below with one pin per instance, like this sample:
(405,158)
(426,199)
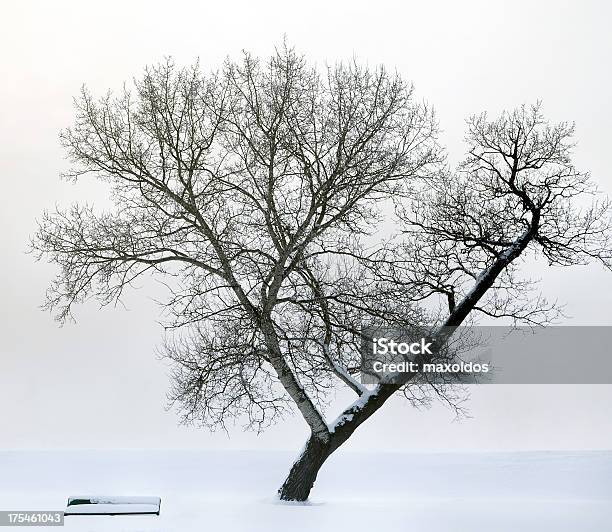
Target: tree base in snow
(304,471)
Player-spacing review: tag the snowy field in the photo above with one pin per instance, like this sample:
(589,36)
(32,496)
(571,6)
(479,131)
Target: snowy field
(234,491)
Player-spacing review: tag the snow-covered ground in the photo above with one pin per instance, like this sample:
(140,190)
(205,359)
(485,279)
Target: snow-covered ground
(234,491)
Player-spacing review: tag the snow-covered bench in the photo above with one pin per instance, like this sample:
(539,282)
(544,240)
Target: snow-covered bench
(104,505)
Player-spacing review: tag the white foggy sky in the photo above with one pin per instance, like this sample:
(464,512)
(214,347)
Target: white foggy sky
(98,383)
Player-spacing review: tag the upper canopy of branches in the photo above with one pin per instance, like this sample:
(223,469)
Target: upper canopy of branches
(254,186)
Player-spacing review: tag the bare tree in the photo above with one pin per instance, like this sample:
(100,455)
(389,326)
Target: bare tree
(264,193)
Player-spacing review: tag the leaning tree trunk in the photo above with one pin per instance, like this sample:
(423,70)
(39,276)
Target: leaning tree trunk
(304,471)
